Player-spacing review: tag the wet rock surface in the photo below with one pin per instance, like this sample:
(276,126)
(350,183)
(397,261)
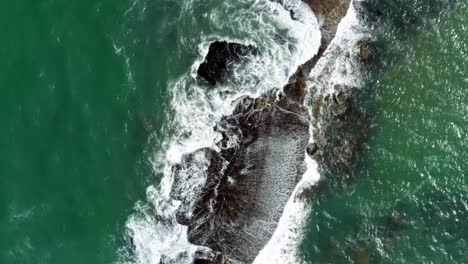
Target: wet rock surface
(260,162)
(194,179)
(218,62)
(208,256)
(242,187)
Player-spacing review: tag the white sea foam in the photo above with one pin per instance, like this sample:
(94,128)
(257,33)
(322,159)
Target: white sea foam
(340,64)
(284,44)
(282,247)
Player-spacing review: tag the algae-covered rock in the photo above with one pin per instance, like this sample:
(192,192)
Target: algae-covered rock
(341,129)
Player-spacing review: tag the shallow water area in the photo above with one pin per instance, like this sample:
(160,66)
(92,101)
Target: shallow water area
(407,200)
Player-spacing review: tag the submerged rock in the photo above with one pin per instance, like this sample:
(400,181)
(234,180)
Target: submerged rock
(218,61)
(362,256)
(341,127)
(364,52)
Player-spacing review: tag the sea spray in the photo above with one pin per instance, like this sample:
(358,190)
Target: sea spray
(284,44)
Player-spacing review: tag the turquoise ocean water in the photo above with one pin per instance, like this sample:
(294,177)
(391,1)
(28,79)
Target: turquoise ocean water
(84,100)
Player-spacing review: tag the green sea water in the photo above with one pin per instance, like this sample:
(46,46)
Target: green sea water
(74,130)
(83,98)
(407,201)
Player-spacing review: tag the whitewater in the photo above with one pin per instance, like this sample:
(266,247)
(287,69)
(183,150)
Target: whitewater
(284,43)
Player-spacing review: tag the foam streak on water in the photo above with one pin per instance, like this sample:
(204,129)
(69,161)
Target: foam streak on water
(283,43)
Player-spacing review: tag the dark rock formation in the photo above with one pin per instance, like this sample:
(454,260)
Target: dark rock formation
(237,194)
(221,55)
(369,52)
(329,13)
(340,123)
(312,149)
(241,203)
(194,180)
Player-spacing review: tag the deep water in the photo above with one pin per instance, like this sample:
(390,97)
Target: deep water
(74,131)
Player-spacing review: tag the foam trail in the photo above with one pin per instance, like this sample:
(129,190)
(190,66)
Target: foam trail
(336,67)
(283,246)
(284,44)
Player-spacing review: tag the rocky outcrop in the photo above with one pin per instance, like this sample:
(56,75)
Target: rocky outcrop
(194,179)
(218,62)
(241,188)
(260,162)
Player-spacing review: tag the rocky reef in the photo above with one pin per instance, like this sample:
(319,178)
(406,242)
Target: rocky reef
(233,197)
(250,180)
(339,112)
(341,127)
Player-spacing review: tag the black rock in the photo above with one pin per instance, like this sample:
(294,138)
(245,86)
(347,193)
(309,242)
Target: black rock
(245,186)
(221,55)
(312,149)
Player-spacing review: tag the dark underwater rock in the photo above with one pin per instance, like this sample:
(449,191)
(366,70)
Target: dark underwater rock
(369,52)
(221,55)
(340,130)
